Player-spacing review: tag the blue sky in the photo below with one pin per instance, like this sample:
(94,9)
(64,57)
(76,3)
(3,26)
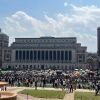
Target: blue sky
(59,18)
(37,7)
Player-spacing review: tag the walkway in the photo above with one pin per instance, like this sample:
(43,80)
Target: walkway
(69,96)
(84,90)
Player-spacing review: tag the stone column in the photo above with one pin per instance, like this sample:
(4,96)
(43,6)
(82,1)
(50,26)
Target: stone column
(29,55)
(13,55)
(68,55)
(64,55)
(73,56)
(52,55)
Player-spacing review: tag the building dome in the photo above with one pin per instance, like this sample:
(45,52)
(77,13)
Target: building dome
(2,34)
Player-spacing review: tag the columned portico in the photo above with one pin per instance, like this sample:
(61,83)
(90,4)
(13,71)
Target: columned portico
(47,52)
(44,55)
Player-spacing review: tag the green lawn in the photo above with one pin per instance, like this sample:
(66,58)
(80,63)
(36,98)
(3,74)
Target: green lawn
(44,93)
(85,96)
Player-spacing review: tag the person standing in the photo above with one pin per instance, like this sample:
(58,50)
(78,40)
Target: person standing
(35,84)
(71,88)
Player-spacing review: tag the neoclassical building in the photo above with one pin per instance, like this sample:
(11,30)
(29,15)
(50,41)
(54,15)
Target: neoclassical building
(43,53)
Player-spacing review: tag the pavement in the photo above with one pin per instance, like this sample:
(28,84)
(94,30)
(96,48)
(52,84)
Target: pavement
(68,96)
(84,90)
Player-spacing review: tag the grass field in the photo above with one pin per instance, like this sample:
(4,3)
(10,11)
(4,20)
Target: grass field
(85,96)
(44,93)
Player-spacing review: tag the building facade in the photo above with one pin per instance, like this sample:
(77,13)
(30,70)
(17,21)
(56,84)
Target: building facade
(98,46)
(4,41)
(45,53)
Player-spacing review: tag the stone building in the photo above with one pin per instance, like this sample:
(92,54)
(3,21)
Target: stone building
(43,53)
(4,41)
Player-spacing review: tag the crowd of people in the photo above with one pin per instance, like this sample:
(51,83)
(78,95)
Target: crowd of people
(50,78)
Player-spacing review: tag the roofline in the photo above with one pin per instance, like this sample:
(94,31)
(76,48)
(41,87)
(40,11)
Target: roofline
(49,38)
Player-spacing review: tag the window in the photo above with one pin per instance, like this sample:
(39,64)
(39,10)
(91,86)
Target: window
(38,55)
(66,55)
(50,55)
(27,55)
(35,53)
(23,55)
(31,55)
(16,54)
(42,55)
(58,55)
(80,61)
(80,56)
(70,55)
(54,55)
(46,55)
(62,55)
(20,55)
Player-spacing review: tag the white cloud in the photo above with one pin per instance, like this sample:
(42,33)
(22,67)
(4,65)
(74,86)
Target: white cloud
(65,4)
(81,24)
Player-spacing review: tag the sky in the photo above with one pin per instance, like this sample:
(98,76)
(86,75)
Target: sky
(57,18)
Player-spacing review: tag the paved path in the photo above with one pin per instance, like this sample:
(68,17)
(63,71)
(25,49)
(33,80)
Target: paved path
(69,96)
(17,89)
(84,90)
